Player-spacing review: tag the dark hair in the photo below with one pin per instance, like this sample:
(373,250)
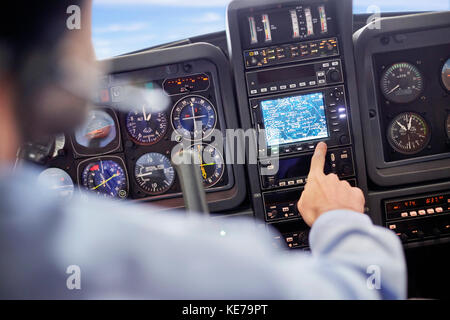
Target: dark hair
(31,26)
(29,51)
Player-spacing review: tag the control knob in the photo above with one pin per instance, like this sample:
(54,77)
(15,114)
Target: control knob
(333,76)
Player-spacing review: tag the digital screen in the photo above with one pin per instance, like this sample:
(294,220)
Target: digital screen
(285,74)
(199,82)
(294,119)
(284,24)
(416,203)
(297,167)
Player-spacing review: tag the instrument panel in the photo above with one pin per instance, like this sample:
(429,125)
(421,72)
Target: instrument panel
(291,68)
(414,102)
(124,148)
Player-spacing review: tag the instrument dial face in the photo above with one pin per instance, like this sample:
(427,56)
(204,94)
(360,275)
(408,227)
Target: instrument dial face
(194,117)
(446,75)
(59,181)
(98,131)
(146,128)
(402,83)
(154,173)
(106,178)
(211,164)
(408,133)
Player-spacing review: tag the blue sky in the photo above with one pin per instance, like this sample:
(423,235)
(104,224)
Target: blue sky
(121,26)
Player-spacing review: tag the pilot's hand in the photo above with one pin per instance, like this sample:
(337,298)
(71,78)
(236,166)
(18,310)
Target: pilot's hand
(324,193)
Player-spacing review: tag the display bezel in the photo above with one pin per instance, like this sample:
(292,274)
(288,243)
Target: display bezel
(298,94)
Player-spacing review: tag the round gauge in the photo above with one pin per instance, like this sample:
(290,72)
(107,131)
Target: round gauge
(146,128)
(402,83)
(446,75)
(211,164)
(194,117)
(98,131)
(58,181)
(106,178)
(408,133)
(154,173)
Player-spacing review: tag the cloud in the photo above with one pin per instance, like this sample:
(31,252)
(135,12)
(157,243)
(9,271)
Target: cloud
(177,3)
(207,17)
(122,27)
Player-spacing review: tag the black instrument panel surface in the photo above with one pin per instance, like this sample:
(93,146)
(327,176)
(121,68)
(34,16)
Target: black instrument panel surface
(194,77)
(432,104)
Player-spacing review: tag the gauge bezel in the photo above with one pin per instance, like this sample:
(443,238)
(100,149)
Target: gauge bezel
(441,77)
(83,164)
(149,192)
(205,134)
(391,142)
(64,173)
(383,78)
(147,144)
(114,146)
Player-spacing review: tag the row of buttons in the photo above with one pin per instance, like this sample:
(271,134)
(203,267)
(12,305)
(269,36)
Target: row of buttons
(290,149)
(282,211)
(286,87)
(291,53)
(422,212)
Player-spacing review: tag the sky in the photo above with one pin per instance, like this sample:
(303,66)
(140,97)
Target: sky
(121,26)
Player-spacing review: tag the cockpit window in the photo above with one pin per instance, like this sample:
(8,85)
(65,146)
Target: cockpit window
(119,27)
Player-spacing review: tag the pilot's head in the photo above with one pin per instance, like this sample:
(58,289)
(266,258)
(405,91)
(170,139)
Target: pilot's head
(46,68)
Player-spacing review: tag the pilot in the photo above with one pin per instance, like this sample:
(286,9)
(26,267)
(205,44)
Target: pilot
(90,248)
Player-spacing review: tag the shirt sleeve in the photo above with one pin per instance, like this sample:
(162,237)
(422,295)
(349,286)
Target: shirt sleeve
(365,260)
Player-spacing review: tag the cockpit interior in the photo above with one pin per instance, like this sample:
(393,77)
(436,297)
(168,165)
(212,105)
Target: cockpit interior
(252,101)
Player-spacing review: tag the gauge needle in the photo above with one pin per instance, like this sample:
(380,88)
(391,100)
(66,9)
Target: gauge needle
(393,89)
(401,126)
(105,181)
(144,175)
(193,118)
(146,117)
(409,123)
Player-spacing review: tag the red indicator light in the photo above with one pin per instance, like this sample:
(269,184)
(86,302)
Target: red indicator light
(94,168)
(104,96)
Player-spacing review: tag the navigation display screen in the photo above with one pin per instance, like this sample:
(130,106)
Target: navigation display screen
(294,119)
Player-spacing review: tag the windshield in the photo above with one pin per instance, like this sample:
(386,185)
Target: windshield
(121,26)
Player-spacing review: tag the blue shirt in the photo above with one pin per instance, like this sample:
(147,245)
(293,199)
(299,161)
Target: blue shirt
(125,250)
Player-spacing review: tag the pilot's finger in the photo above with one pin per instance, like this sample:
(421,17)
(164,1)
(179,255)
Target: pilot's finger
(318,159)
